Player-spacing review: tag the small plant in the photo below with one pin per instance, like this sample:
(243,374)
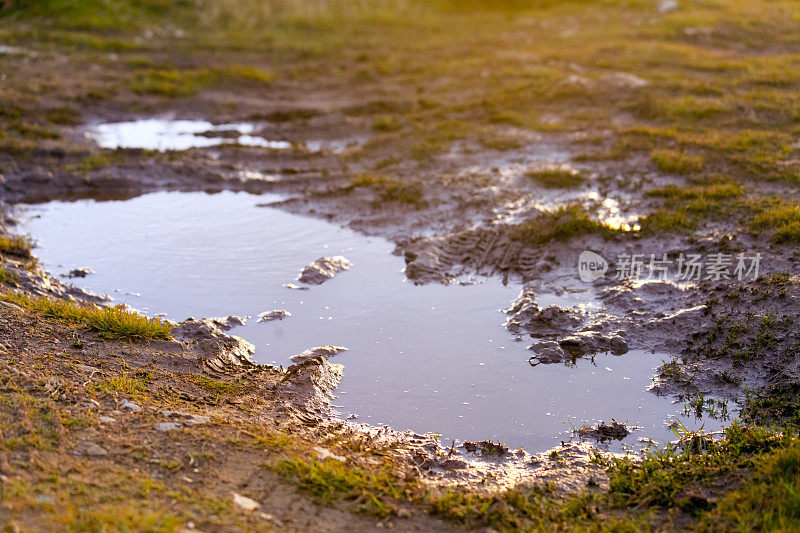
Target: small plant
(557,178)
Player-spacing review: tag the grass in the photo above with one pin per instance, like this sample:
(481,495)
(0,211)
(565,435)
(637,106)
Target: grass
(8,277)
(28,421)
(686,206)
(389,189)
(131,386)
(556,178)
(562,224)
(16,245)
(783,218)
(331,480)
(215,386)
(677,161)
(386,123)
(173,83)
(663,477)
(109,322)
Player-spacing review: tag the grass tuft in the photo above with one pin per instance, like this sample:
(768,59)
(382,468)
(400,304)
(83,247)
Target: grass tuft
(333,480)
(390,189)
(564,223)
(109,322)
(556,178)
(677,162)
(16,245)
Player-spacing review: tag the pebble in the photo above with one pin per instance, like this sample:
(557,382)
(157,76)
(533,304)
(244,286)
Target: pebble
(323,454)
(245,503)
(168,426)
(130,405)
(90,448)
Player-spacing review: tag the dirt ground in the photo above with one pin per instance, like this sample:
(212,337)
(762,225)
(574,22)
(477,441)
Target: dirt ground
(499,143)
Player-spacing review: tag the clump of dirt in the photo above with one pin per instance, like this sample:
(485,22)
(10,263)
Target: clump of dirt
(604,432)
(323,269)
(486,447)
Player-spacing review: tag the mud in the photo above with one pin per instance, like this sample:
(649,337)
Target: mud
(323,269)
(465,228)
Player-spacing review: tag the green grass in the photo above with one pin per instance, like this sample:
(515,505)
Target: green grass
(784,218)
(332,480)
(215,386)
(177,83)
(789,233)
(677,162)
(769,501)
(685,207)
(131,386)
(16,245)
(28,421)
(717,191)
(389,189)
(564,223)
(8,277)
(109,322)
(664,475)
(556,178)
(386,123)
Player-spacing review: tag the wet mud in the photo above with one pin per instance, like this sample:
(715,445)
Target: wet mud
(465,225)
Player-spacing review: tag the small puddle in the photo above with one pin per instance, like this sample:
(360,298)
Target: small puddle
(169,134)
(166,134)
(429,358)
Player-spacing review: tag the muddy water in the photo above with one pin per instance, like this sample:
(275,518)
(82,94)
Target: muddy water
(429,358)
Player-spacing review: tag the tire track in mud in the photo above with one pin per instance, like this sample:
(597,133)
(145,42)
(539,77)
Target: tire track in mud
(485,252)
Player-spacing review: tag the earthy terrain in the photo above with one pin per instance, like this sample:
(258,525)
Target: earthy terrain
(484,138)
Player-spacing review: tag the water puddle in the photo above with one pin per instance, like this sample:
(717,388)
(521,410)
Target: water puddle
(169,134)
(429,358)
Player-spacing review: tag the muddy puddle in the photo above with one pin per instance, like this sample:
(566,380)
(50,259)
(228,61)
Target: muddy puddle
(430,358)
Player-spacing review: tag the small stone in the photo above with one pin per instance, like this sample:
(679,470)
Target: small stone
(244,503)
(130,405)
(618,345)
(323,454)
(277,314)
(295,287)
(188,419)
(168,426)
(665,6)
(106,419)
(90,448)
(80,272)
